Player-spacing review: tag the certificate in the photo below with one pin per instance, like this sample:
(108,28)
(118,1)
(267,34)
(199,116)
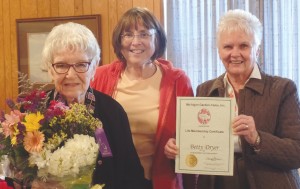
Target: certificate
(204,135)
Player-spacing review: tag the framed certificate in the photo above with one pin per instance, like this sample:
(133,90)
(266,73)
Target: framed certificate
(204,135)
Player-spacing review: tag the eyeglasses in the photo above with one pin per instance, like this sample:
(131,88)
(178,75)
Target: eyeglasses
(62,68)
(129,36)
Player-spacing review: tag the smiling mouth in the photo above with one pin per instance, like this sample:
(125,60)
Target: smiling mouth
(71,84)
(236,62)
(137,51)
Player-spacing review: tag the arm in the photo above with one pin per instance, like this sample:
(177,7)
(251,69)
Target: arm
(279,129)
(124,169)
(132,170)
(183,88)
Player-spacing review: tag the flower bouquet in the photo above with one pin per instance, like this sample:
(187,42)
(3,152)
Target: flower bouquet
(48,141)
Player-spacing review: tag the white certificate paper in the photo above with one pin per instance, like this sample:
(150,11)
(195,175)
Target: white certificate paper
(204,135)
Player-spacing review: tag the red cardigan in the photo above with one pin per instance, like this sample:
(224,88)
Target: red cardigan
(174,83)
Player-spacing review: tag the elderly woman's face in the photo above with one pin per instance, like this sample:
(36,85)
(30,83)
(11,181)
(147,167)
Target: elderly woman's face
(237,53)
(72,85)
(138,45)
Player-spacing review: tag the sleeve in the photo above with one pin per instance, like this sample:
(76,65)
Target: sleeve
(123,170)
(281,148)
(132,170)
(184,87)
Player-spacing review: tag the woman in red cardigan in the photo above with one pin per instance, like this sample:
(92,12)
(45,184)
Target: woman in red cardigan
(146,87)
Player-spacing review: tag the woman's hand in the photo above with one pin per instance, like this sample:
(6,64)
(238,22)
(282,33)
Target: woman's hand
(171,150)
(245,126)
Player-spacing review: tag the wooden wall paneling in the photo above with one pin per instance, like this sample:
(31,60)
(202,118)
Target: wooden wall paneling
(87,8)
(140,3)
(15,13)
(29,9)
(101,7)
(113,19)
(66,7)
(43,8)
(2,65)
(78,6)
(158,11)
(143,3)
(154,6)
(7,51)
(123,6)
(54,8)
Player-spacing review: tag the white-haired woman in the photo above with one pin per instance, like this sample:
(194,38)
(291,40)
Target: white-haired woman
(72,53)
(267,123)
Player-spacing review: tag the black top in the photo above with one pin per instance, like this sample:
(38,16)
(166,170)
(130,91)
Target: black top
(123,170)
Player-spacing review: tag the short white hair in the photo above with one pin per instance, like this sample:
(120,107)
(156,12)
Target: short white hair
(238,19)
(74,37)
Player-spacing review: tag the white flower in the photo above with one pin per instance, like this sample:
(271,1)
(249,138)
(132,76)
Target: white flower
(40,159)
(78,152)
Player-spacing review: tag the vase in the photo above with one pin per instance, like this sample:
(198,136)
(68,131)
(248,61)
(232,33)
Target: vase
(4,167)
(79,181)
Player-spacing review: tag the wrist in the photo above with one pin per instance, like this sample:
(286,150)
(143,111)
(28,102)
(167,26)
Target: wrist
(256,144)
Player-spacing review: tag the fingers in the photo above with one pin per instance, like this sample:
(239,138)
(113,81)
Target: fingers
(171,150)
(241,128)
(245,126)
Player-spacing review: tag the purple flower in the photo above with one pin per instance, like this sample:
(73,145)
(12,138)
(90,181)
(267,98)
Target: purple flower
(10,103)
(22,130)
(21,127)
(20,138)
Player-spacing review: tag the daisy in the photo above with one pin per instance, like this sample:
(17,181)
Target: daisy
(33,141)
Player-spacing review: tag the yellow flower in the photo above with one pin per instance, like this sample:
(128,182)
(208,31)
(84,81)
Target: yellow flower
(14,134)
(33,141)
(13,140)
(32,121)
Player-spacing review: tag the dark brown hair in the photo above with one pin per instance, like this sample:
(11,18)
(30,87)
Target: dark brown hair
(133,17)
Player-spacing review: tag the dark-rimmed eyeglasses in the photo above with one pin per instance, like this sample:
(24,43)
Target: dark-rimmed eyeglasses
(62,68)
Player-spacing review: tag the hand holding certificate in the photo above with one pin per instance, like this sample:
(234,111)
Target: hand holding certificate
(204,135)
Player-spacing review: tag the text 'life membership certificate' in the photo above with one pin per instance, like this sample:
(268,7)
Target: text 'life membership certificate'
(204,135)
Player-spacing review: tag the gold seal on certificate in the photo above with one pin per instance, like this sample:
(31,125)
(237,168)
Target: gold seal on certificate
(191,160)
